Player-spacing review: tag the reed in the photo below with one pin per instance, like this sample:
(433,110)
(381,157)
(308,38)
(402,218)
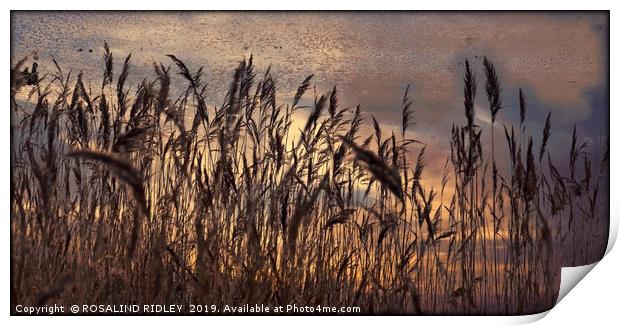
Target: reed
(156,197)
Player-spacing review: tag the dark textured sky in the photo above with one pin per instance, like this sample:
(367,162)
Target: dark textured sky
(559,59)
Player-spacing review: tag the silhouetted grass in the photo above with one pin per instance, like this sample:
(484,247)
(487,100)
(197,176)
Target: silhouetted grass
(157,198)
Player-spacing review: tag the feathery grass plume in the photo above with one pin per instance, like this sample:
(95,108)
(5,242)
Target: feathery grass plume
(394,152)
(407,109)
(530,182)
(247,79)
(109,65)
(59,72)
(267,93)
(522,106)
(417,172)
(333,103)
(164,87)
(305,85)
(121,96)
(184,71)
(83,93)
(512,145)
(377,128)
(424,209)
(104,126)
(194,85)
(493,89)
(545,139)
(388,176)
(233,105)
(575,152)
(139,112)
(319,105)
(122,78)
(356,123)
(76,114)
(469,92)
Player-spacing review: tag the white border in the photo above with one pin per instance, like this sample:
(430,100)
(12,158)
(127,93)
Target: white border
(593,301)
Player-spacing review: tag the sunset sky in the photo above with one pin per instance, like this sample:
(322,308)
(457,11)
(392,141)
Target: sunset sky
(559,59)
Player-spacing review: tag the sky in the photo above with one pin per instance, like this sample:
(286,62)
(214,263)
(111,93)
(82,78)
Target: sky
(559,59)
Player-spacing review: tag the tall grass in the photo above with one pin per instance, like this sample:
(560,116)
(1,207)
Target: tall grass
(149,195)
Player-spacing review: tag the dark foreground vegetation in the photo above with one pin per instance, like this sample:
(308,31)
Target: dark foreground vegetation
(151,196)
